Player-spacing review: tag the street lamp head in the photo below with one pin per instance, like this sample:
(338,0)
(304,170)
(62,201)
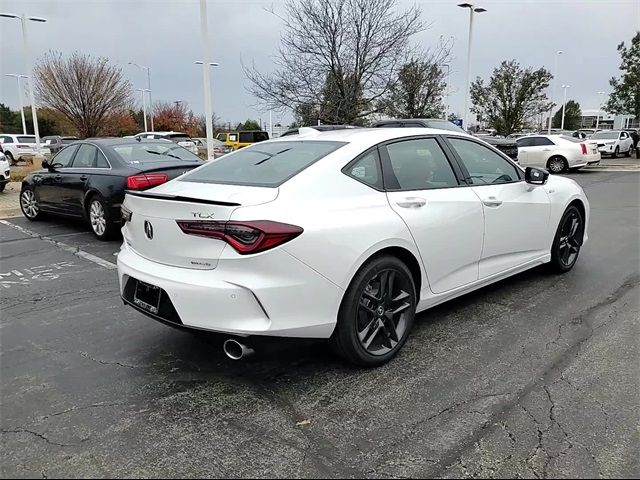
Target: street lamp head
(559,52)
(9,15)
(211,64)
(479,10)
(38,19)
(465,5)
(566,86)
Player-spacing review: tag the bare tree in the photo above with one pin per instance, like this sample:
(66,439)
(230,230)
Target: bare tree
(338,57)
(420,89)
(86,90)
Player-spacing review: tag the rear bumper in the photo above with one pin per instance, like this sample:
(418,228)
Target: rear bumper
(270,294)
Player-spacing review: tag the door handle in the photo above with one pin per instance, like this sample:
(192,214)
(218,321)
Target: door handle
(546,149)
(83,177)
(58,177)
(412,202)
(492,202)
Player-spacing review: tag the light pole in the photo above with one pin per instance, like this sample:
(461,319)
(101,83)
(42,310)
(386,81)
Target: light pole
(18,77)
(564,104)
(29,68)
(446,90)
(144,106)
(206,79)
(148,69)
(599,108)
(553,89)
(472,10)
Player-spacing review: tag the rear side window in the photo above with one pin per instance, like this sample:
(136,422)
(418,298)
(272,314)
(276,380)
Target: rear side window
(86,156)
(366,169)
(541,142)
(27,139)
(233,137)
(268,165)
(102,162)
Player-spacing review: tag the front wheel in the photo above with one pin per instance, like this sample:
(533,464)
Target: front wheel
(9,155)
(616,153)
(29,204)
(568,240)
(376,314)
(101,223)
(2,185)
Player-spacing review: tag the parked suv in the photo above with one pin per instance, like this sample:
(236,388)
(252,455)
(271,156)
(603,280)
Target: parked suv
(18,147)
(507,146)
(237,140)
(613,142)
(180,138)
(55,143)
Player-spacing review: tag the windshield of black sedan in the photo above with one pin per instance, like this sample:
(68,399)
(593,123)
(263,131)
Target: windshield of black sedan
(264,164)
(149,152)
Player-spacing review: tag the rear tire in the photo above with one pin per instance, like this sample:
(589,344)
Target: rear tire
(568,241)
(557,164)
(100,221)
(2,185)
(376,314)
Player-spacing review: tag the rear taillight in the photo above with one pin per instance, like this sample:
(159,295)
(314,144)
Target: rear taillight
(146,180)
(584,148)
(245,237)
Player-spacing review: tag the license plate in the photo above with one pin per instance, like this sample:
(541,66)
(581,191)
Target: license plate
(147,297)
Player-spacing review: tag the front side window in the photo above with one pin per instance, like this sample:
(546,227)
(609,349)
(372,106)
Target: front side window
(483,164)
(263,165)
(86,156)
(222,137)
(420,165)
(63,159)
(367,169)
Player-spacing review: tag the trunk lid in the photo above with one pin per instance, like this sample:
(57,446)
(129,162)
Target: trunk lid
(155,211)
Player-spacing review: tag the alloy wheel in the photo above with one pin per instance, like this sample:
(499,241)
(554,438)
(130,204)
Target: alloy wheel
(556,165)
(96,216)
(29,204)
(569,244)
(382,312)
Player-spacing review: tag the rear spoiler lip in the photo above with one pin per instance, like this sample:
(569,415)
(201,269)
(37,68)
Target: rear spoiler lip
(178,198)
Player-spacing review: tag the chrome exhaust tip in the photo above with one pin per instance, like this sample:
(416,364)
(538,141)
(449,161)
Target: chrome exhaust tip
(236,350)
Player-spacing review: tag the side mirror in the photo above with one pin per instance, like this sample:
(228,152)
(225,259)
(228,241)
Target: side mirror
(536,176)
(46,164)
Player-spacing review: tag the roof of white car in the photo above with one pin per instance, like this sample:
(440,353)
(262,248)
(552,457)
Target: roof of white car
(366,134)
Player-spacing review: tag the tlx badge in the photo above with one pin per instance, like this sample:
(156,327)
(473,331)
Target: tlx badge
(202,215)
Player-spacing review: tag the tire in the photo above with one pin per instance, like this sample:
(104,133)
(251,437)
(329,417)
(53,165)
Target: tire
(373,325)
(616,153)
(99,219)
(628,153)
(568,241)
(557,164)
(9,155)
(29,205)
(2,185)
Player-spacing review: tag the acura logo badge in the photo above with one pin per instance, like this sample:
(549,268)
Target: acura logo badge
(148,229)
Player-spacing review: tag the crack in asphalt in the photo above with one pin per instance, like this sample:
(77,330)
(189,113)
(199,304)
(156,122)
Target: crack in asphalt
(106,362)
(38,435)
(78,409)
(548,377)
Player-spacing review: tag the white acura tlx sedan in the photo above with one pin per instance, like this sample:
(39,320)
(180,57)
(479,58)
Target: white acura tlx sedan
(341,235)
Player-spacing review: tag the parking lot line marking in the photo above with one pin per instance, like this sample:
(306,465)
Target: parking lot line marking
(63,246)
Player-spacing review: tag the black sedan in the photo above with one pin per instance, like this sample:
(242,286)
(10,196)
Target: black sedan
(88,179)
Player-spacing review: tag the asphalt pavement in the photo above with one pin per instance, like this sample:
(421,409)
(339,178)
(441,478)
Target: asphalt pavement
(536,376)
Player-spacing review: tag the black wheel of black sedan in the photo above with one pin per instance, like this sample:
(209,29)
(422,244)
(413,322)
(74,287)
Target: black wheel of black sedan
(568,240)
(29,204)
(377,313)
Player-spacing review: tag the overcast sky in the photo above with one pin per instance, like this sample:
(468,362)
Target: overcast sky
(165,35)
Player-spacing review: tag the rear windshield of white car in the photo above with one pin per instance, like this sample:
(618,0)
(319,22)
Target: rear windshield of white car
(605,136)
(149,152)
(263,165)
(571,139)
(27,139)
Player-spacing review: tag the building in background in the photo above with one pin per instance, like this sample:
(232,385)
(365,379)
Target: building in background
(607,120)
